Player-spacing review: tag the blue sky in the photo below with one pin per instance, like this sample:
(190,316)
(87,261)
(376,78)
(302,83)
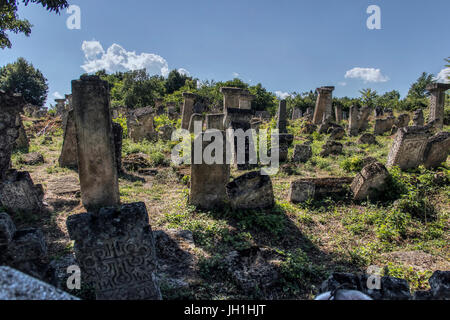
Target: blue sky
(286,45)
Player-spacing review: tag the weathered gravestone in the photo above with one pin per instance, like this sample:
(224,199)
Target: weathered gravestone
(245,100)
(140,124)
(296,113)
(215,121)
(97,165)
(402,120)
(116,252)
(437,150)
(208,180)
(359,120)
(323,104)
(188,109)
(370,181)
(408,148)
(251,191)
(317,188)
(302,153)
(384,125)
(282,117)
(10,106)
(338,113)
(437,102)
(22,142)
(69,154)
(418,118)
(117,132)
(196,121)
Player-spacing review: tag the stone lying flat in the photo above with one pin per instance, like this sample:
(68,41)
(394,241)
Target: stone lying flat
(371,180)
(367,138)
(32,159)
(302,153)
(66,185)
(304,189)
(251,191)
(331,148)
(15,285)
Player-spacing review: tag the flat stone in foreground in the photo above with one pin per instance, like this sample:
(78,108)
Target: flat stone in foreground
(15,285)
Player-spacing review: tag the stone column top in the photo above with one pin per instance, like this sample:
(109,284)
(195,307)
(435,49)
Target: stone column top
(189,95)
(247,96)
(326,88)
(234,91)
(438,86)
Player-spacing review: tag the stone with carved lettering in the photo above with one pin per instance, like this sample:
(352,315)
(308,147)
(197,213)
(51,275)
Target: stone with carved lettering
(115,249)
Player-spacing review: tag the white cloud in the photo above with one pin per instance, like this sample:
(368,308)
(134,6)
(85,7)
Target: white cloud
(282,95)
(366,74)
(184,72)
(342,84)
(57,95)
(116,58)
(443,75)
(236,75)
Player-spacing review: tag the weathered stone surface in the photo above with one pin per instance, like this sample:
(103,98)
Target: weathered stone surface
(215,121)
(251,191)
(188,109)
(136,161)
(358,121)
(383,125)
(140,124)
(22,142)
(7,230)
(251,270)
(309,128)
(69,155)
(437,102)
(10,106)
(56,274)
(337,133)
(282,117)
(391,288)
(338,113)
(317,188)
(97,164)
(196,121)
(236,98)
(302,153)
(296,113)
(408,148)
(15,285)
(331,147)
(115,249)
(418,118)
(18,193)
(440,285)
(403,120)
(32,159)
(323,104)
(367,138)
(165,132)
(208,180)
(370,181)
(437,150)
(117,132)
(245,101)
(284,141)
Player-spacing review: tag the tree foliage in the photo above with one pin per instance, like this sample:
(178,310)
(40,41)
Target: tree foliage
(22,77)
(10,21)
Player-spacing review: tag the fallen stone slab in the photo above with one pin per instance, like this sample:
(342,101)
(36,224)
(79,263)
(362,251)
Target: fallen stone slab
(331,148)
(367,138)
(317,188)
(32,159)
(15,285)
(302,153)
(370,181)
(251,191)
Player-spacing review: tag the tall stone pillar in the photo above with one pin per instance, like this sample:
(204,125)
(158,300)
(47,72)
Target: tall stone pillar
(60,106)
(338,113)
(437,101)
(282,117)
(96,154)
(188,109)
(323,104)
(208,181)
(245,101)
(353,124)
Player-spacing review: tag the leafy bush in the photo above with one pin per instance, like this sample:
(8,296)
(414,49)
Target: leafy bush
(353,164)
(122,120)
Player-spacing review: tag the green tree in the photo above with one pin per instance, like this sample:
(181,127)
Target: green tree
(9,19)
(368,97)
(418,89)
(175,81)
(390,100)
(22,77)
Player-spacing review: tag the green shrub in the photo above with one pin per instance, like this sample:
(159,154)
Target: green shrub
(352,164)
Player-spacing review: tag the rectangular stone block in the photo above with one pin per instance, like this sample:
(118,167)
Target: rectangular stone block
(69,152)
(96,154)
(215,121)
(317,188)
(323,104)
(115,249)
(408,148)
(188,109)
